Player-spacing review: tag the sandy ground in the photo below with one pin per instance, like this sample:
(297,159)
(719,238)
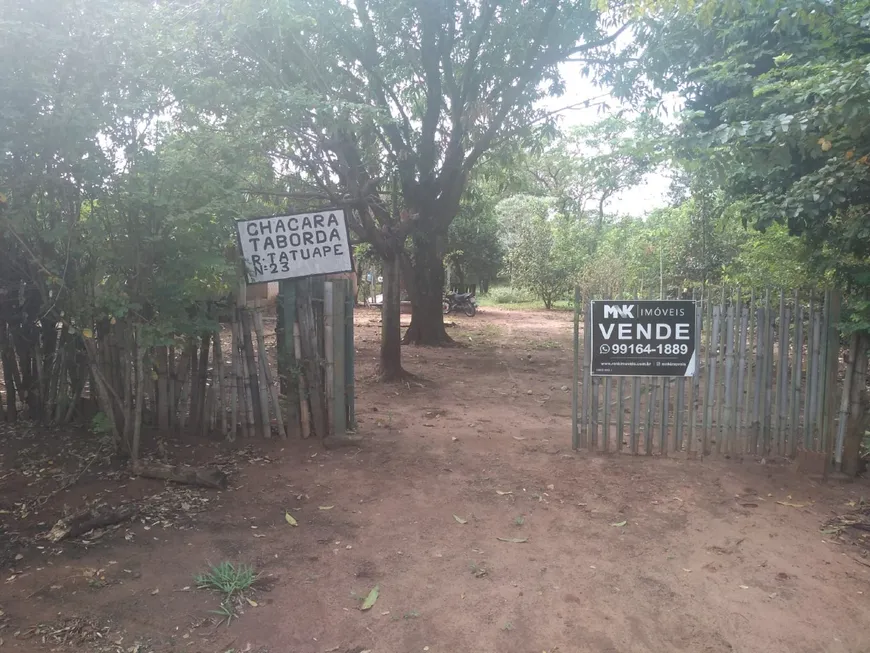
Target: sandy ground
(598,553)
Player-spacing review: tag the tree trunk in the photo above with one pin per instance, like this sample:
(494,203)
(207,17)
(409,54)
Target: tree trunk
(390,367)
(7,355)
(859,411)
(425,283)
(89,519)
(209,477)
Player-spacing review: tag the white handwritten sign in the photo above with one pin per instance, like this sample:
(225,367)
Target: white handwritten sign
(291,246)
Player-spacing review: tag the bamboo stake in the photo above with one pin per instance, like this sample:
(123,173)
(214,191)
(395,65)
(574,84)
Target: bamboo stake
(776,408)
(234,381)
(652,389)
(797,372)
(201,423)
(635,414)
(248,396)
(808,389)
(845,400)
(710,401)
(784,394)
(575,381)
(605,433)
(725,440)
(693,381)
(186,363)
(307,293)
(620,413)
(832,360)
(824,357)
(679,415)
(740,444)
(813,384)
(666,389)
(768,374)
(304,411)
(171,386)
(251,405)
(140,395)
(259,399)
(719,405)
(329,353)
(750,355)
(161,367)
(239,405)
(267,372)
(219,381)
(585,430)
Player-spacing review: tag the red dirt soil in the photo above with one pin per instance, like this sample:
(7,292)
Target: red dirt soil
(619,553)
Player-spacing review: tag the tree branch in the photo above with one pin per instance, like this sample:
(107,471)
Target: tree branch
(607,40)
(430,57)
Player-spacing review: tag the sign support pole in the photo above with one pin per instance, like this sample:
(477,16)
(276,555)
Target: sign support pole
(575,387)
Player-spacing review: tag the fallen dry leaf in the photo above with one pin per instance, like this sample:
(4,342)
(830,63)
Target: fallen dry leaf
(502,493)
(513,540)
(791,505)
(252,603)
(290,519)
(460,520)
(370,599)
(326,507)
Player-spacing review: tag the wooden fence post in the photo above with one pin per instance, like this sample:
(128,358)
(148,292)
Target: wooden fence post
(349,358)
(585,439)
(310,353)
(339,407)
(832,361)
(575,430)
(288,364)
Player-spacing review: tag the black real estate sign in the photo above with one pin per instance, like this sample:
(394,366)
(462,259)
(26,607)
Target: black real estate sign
(643,338)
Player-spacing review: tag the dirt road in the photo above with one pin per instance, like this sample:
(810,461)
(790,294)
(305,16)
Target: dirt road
(484,532)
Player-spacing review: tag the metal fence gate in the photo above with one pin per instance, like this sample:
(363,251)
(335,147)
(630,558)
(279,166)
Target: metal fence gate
(768,381)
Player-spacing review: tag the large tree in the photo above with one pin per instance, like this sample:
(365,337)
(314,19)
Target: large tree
(777,115)
(412,90)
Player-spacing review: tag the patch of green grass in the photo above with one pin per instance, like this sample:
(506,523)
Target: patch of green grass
(547,344)
(507,295)
(514,299)
(228,579)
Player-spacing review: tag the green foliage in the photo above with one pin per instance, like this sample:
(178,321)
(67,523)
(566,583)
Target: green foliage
(773,258)
(100,424)
(115,212)
(777,101)
(475,253)
(507,295)
(540,244)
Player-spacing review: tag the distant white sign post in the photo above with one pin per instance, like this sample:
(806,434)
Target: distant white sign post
(294,246)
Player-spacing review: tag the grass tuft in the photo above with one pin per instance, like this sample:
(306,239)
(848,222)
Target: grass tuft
(227,578)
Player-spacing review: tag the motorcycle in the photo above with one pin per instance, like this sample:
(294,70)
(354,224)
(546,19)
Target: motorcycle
(464,302)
